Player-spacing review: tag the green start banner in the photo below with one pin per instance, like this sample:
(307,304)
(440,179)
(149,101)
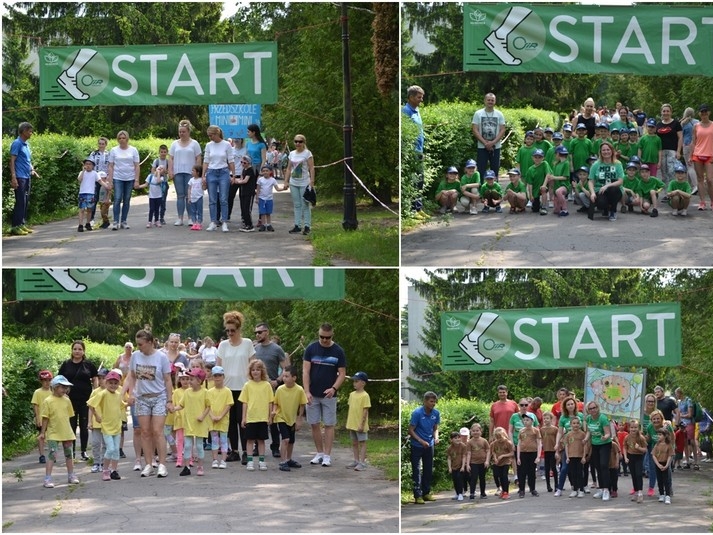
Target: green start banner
(149,75)
(226,284)
(645,39)
(554,338)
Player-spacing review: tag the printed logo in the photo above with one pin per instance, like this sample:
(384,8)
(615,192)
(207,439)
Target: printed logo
(487,338)
(51,59)
(453,323)
(77,280)
(477,17)
(84,74)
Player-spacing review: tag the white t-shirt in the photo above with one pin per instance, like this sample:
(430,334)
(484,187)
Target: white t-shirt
(184,158)
(89,180)
(489,123)
(218,155)
(124,160)
(195,185)
(299,167)
(235,360)
(149,371)
(208,354)
(155,191)
(265,187)
(238,157)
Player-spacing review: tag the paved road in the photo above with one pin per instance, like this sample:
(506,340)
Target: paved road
(531,240)
(59,243)
(691,511)
(312,499)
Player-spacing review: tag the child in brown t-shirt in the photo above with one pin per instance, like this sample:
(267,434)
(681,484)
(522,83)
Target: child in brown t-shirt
(634,449)
(502,452)
(576,450)
(478,459)
(529,448)
(457,456)
(549,446)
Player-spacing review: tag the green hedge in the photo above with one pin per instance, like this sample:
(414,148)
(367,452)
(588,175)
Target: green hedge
(58,161)
(22,359)
(455,413)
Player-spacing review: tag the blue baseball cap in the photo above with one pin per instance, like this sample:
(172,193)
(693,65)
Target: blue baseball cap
(567,127)
(644,167)
(217,370)
(360,376)
(529,133)
(633,131)
(603,125)
(558,135)
(679,168)
(489,174)
(632,165)
(562,150)
(514,171)
(593,157)
(635,159)
(452,169)
(60,380)
(539,152)
(548,129)
(584,168)
(470,163)
(651,122)
(614,130)
(581,126)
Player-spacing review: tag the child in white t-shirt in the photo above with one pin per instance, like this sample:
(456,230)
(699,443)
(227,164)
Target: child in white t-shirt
(264,191)
(196,186)
(88,179)
(154,182)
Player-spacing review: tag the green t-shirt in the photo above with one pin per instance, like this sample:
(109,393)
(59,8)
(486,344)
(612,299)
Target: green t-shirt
(487,188)
(630,183)
(467,180)
(444,185)
(524,158)
(567,143)
(580,149)
(624,150)
(633,149)
(518,424)
(536,176)
(649,147)
(645,187)
(675,185)
(596,428)
(605,173)
(653,435)
(551,156)
(519,188)
(565,422)
(544,145)
(561,168)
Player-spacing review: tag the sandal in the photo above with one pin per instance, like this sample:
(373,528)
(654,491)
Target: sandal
(696,467)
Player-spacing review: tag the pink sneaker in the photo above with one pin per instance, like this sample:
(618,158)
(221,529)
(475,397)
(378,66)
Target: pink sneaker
(158,224)
(199,226)
(200,471)
(106,475)
(650,492)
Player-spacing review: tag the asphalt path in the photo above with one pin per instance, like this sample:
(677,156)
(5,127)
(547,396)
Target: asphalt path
(313,499)
(691,511)
(531,240)
(59,244)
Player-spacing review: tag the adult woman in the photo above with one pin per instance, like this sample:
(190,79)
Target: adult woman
(217,168)
(651,429)
(239,151)
(183,154)
(248,184)
(605,177)
(623,121)
(208,352)
(588,117)
(671,134)
(149,387)
(256,147)
(569,411)
(234,355)
(688,121)
(123,175)
(702,155)
(83,375)
(298,175)
(172,350)
(599,434)
(100,157)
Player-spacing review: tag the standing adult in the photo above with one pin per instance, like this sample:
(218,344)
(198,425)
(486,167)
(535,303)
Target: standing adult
(569,410)
(256,147)
(686,409)
(500,413)
(599,434)
(702,155)
(423,430)
(21,170)
(588,117)
(150,389)
(488,128)
(217,168)
(622,121)
(173,353)
(605,178)
(234,355)
(666,404)
(688,122)
(671,134)
(324,369)
(100,157)
(414,98)
(82,373)
(298,176)
(123,175)
(208,352)
(273,356)
(183,154)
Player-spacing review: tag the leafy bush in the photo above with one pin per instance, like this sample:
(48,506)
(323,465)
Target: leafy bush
(58,160)
(22,359)
(455,413)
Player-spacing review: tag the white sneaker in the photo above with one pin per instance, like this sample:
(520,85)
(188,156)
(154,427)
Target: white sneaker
(473,211)
(147,471)
(125,225)
(212,227)
(250,466)
(460,497)
(550,204)
(224,227)
(529,204)
(326,461)
(262,465)
(352,464)
(137,466)
(178,223)
(162,472)
(214,464)
(317,459)
(573,494)
(580,494)
(222,465)
(91,223)
(586,490)
(667,500)
(605,495)
(683,212)
(114,226)
(558,493)
(597,494)
(661,498)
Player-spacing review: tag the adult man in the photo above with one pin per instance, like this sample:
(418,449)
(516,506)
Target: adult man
(414,97)
(423,430)
(274,358)
(686,408)
(666,405)
(20,172)
(501,411)
(323,372)
(488,128)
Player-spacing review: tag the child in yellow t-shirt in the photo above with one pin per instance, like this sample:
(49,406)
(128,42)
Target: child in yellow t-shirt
(107,408)
(56,410)
(195,408)
(95,427)
(220,399)
(178,393)
(358,420)
(257,398)
(289,408)
(38,397)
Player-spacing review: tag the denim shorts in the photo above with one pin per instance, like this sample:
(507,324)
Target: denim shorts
(86,201)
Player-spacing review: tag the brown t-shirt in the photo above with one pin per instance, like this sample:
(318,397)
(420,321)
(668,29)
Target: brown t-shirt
(456,453)
(527,440)
(549,438)
(478,448)
(502,448)
(614,455)
(573,442)
(662,451)
(632,440)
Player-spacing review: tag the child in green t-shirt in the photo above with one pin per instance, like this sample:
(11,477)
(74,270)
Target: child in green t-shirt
(516,192)
(679,191)
(558,181)
(491,193)
(469,186)
(581,189)
(629,188)
(649,188)
(524,153)
(650,147)
(448,191)
(535,180)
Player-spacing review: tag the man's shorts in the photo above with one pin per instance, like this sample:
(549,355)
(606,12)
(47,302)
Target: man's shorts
(265,206)
(359,437)
(257,431)
(691,431)
(86,201)
(151,406)
(322,410)
(287,432)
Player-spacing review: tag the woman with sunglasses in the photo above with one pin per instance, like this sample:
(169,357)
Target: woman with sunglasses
(599,435)
(234,355)
(298,176)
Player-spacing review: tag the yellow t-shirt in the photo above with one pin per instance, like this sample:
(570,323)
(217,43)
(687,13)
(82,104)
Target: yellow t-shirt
(258,396)
(39,396)
(109,406)
(288,401)
(58,411)
(358,401)
(219,398)
(92,421)
(178,415)
(194,403)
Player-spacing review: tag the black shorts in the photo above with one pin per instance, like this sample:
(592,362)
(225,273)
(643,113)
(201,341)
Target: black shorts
(287,432)
(257,431)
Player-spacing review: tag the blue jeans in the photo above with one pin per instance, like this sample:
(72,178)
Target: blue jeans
(486,157)
(122,193)
(180,182)
(22,200)
(302,209)
(218,186)
(196,211)
(421,482)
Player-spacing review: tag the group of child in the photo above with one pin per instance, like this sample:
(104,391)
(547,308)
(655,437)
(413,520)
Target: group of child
(553,168)
(469,455)
(201,406)
(157,184)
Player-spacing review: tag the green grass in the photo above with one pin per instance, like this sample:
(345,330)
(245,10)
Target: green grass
(382,449)
(41,219)
(374,243)
(20,446)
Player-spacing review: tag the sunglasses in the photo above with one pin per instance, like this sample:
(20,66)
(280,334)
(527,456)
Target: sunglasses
(325,337)
(591,408)
(259,332)
(299,140)
(523,404)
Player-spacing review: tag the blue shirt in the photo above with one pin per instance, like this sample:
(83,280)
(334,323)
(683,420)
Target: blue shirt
(412,113)
(254,149)
(688,131)
(424,425)
(21,150)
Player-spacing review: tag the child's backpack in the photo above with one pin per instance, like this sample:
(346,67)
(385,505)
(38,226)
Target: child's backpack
(698,415)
